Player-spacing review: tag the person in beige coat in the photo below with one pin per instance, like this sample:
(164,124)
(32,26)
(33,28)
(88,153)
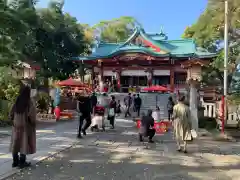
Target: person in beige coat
(23,140)
(181,124)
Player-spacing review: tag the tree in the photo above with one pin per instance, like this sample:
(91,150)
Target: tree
(47,36)
(208,32)
(115,30)
(12,31)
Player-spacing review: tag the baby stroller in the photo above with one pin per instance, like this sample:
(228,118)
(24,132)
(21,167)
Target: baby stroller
(98,119)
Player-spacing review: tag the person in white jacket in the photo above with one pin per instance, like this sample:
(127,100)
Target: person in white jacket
(156,114)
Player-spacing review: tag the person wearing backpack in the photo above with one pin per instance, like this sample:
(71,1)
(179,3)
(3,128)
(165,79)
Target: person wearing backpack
(170,105)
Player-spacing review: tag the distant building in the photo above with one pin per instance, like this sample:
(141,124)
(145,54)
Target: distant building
(143,60)
(25,70)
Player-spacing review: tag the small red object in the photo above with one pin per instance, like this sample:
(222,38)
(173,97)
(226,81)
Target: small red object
(223,113)
(138,124)
(57,112)
(99,109)
(160,127)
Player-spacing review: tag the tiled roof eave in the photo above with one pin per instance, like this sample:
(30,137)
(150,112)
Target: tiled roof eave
(207,56)
(154,42)
(194,55)
(119,52)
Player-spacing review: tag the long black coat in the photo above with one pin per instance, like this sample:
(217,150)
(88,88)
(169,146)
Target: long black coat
(146,123)
(84,105)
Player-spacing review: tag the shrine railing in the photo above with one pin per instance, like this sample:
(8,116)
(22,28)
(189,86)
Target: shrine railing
(213,110)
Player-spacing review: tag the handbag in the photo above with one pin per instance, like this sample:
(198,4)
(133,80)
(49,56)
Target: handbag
(111,112)
(194,134)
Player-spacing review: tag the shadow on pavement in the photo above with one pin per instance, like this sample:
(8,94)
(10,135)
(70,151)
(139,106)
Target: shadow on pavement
(117,154)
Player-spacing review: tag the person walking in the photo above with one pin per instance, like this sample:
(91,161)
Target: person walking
(112,111)
(137,104)
(134,107)
(118,109)
(23,140)
(170,106)
(84,109)
(93,102)
(181,124)
(128,103)
(156,114)
(146,129)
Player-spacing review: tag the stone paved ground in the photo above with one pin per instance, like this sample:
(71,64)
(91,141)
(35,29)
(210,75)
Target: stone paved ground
(117,155)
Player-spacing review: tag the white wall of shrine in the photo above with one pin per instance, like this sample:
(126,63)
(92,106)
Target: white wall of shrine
(137,73)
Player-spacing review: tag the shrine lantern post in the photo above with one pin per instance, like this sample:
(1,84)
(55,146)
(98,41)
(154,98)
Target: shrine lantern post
(194,77)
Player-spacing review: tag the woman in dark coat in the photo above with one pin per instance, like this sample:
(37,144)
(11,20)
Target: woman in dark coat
(146,129)
(23,141)
(112,111)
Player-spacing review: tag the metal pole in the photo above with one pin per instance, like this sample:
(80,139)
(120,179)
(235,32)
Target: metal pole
(226,50)
(225,86)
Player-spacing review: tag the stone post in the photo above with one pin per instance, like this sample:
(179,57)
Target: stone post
(193,103)
(194,71)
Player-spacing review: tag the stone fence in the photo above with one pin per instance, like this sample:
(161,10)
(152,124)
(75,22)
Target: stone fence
(213,110)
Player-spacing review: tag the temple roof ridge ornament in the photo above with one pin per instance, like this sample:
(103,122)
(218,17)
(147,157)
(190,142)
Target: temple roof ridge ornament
(145,43)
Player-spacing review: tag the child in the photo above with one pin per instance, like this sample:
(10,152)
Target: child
(118,108)
(98,119)
(156,114)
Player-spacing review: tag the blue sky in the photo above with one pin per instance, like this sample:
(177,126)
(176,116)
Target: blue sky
(173,15)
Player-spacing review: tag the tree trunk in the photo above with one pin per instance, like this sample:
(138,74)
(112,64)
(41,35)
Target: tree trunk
(46,84)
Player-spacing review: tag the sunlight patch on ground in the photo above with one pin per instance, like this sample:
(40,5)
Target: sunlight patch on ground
(185,161)
(78,146)
(124,120)
(46,131)
(5,156)
(221,160)
(57,146)
(82,161)
(129,133)
(121,156)
(141,160)
(56,138)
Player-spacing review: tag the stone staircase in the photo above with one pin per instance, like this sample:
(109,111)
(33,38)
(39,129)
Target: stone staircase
(149,101)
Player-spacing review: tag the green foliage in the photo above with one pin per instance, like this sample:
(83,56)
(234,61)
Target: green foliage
(43,100)
(208,32)
(5,107)
(207,123)
(47,36)
(9,86)
(8,93)
(115,30)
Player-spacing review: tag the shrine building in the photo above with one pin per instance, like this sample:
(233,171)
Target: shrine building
(144,59)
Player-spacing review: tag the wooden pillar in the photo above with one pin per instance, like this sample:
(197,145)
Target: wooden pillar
(93,78)
(149,76)
(100,76)
(117,77)
(172,79)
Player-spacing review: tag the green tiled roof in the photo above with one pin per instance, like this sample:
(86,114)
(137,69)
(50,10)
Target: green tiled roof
(173,48)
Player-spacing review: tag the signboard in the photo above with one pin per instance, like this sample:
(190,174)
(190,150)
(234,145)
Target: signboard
(161,72)
(134,73)
(108,73)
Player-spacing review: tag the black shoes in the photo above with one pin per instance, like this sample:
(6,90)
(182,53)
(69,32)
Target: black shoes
(20,162)
(15,164)
(180,150)
(79,136)
(24,165)
(84,132)
(150,141)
